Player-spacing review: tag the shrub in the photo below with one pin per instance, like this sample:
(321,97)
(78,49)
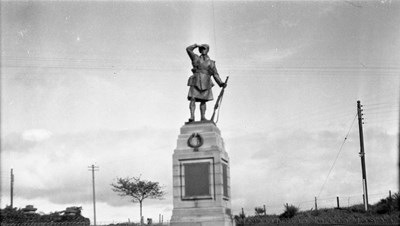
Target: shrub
(357,208)
(239,219)
(314,213)
(383,207)
(14,215)
(387,205)
(259,211)
(290,211)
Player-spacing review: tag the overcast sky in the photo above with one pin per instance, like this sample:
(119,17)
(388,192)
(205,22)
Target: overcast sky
(104,83)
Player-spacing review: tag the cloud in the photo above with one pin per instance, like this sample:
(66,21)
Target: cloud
(289,23)
(299,141)
(56,168)
(14,142)
(275,55)
(25,141)
(36,135)
(327,9)
(292,166)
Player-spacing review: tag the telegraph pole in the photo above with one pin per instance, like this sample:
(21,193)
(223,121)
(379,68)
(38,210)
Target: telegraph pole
(12,189)
(94,168)
(362,154)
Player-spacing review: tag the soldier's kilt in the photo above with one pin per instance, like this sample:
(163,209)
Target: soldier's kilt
(198,95)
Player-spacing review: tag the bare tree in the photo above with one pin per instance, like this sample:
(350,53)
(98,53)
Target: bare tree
(138,190)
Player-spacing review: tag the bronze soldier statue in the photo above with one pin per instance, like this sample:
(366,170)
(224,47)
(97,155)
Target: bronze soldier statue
(200,82)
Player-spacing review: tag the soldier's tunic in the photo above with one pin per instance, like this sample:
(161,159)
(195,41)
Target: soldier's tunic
(200,82)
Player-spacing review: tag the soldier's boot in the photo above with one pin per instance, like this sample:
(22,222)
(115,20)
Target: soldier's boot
(203,111)
(192,107)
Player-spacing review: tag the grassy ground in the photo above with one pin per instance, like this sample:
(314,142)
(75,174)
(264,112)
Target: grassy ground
(384,212)
(352,215)
(348,215)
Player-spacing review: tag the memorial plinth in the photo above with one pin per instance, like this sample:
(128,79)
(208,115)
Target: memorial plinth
(201,180)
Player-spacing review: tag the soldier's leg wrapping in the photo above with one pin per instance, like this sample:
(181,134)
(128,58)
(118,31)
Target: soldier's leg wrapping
(192,107)
(203,110)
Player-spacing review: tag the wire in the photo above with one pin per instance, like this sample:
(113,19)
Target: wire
(109,63)
(378,104)
(337,156)
(382,111)
(215,36)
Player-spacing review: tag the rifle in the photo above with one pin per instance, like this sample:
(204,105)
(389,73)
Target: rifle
(219,99)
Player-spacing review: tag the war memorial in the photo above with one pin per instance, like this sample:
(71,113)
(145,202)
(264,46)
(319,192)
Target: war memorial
(201,178)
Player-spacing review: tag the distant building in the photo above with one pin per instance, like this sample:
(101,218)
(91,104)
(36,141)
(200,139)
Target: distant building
(29,209)
(73,211)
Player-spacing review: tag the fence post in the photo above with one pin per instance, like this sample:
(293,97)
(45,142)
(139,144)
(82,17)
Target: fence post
(363,198)
(316,206)
(390,202)
(243,217)
(265,211)
(337,200)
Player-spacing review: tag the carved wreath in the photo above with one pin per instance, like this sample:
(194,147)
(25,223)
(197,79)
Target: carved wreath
(195,141)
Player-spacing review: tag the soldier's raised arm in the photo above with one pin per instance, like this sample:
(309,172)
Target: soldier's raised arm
(190,49)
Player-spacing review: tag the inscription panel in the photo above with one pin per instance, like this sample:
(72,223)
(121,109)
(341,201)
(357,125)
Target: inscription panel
(197,179)
(225,179)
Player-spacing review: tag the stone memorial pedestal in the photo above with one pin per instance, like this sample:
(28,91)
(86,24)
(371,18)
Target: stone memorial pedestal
(201,180)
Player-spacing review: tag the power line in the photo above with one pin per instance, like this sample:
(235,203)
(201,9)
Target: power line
(383,121)
(337,156)
(225,67)
(379,104)
(382,111)
(215,35)
(100,62)
(383,107)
